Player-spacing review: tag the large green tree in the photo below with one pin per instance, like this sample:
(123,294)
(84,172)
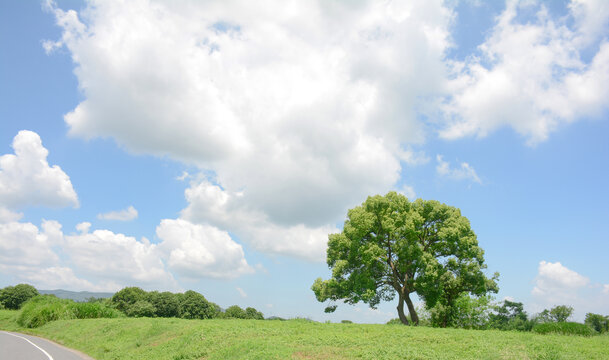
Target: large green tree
(390,246)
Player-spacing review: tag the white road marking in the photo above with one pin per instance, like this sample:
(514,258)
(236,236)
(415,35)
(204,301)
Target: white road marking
(38,347)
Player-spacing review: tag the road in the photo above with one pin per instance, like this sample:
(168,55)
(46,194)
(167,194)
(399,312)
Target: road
(16,346)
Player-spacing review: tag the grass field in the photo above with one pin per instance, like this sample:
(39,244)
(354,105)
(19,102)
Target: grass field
(145,338)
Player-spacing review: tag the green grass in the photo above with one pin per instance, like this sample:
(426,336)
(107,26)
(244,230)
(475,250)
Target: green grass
(565,328)
(44,308)
(145,338)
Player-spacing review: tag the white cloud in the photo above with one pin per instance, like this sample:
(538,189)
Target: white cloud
(531,76)
(465,172)
(409,192)
(27,179)
(183,176)
(117,258)
(556,278)
(221,208)
(63,278)
(8,216)
(196,251)
(128,214)
(303,108)
(23,245)
(555,284)
(242,293)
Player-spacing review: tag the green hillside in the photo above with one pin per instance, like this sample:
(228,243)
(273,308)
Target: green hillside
(157,338)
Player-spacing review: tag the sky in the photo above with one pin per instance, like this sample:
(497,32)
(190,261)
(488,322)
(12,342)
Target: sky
(213,146)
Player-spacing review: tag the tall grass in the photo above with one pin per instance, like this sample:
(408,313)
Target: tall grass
(44,308)
(565,328)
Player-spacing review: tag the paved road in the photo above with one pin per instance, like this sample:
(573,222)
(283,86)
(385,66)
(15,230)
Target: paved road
(16,346)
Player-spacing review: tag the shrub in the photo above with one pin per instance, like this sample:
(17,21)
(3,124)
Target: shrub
(598,322)
(235,312)
(165,303)
(46,308)
(194,306)
(126,297)
(13,297)
(141,308)
(251,313)
(346,322)
(565,328)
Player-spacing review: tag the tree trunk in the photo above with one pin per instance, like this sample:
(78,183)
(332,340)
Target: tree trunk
(401,314)
(413,313)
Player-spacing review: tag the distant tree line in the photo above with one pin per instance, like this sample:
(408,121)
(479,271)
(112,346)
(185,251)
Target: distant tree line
(135,302)
(480,313)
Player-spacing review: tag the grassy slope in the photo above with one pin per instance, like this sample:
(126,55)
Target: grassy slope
(250,339)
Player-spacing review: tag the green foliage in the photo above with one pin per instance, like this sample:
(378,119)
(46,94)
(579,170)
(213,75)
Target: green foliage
(141,308)
(126,297)
(45,308)
(510,316)
(466,312)
(598,322)
(251,313)
(166,304)
(235,312)
(346,322)
(390,246)
(564,328)
(194,306)
(561,313)
(13,297)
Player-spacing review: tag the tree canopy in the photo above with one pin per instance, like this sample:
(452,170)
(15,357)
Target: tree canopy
(390,246)
(12,297)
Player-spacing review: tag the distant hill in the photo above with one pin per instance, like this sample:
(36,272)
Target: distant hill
(75,295)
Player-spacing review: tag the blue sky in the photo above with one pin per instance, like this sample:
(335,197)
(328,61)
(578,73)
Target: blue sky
(214,146)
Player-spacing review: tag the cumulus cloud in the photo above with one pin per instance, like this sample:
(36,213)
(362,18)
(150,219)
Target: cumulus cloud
(464,172)
(7,215)
(556,279)
(23,245)
(195,251)
(127,214)
(103,254)
(555,284)
(530,76)
(409,192)
(210,203)
(303,109)
(26,178)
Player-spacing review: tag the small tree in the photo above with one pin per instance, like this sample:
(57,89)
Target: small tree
(598,322)
(13,297)
(561,313)
(194,306)
(165,303)
(251,313)
(235,312)
(126,297)
(390,246)
(510,316)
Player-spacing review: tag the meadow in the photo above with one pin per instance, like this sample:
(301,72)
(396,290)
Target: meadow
(171,338)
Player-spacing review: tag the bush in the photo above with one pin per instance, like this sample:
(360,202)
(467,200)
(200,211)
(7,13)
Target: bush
(165,303)
(126,297)
(598,322)
(565,328)
(13,297)
(235,312)
(141,308)
(46,308)
(346,322)
(194,306)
